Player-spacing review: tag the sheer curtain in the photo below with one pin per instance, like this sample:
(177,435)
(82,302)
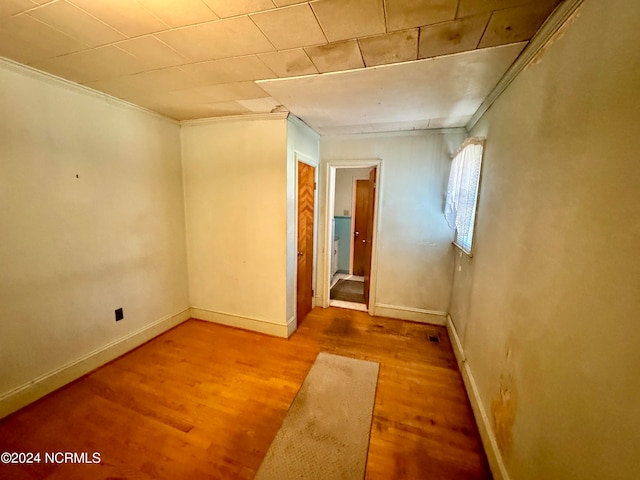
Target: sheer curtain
(462,191)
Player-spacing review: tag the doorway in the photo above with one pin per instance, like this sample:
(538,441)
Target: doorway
(306,215)
(352,212)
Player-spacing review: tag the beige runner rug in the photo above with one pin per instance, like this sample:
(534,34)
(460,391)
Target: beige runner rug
(325,434)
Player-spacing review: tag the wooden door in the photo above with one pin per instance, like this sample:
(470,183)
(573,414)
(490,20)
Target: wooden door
(368,241)
(306,198)
(360,228)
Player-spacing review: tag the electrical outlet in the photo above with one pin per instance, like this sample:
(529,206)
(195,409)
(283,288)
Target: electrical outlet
(119,314)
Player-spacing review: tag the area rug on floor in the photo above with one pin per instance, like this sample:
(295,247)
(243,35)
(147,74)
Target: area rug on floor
(348,291)
(325,434)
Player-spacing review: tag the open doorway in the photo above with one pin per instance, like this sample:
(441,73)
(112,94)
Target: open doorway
(352,235)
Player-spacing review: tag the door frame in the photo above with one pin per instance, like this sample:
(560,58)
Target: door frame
(299,157)
(330,167)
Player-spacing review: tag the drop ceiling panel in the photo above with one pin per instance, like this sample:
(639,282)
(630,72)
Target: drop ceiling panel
(290,27)
(338,18)
(474,7)
(219,39)
(390,48)
(220,93)
(166,79)
(336,56)
(11,7)
(123,15)
(289,63)
(452,37)
(437,88)
(259,105)
(230,8)
(27,40)
(90,65)
(403,14)
(73,21)
(152,53)
(181,13)
(284,3)
(230,70)
(516,24)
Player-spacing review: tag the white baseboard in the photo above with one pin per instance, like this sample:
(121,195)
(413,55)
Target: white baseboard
(31,391)
(246,323)
(292,326)
(494,456)
(410,313)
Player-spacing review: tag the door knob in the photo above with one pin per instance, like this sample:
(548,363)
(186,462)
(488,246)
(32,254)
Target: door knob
(355,234)
(300,254)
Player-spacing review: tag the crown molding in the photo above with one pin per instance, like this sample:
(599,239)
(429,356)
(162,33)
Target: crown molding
(400,133)
(39,75)
(548,29)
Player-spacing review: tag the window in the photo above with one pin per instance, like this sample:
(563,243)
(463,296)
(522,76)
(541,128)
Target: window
(462,192)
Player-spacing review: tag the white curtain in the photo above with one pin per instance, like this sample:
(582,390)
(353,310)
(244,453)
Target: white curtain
(462,192)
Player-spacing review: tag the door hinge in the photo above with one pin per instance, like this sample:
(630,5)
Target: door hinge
(312,292)
(315,186)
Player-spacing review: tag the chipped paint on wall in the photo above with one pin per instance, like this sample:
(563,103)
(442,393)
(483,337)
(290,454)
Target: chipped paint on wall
(503,407)
(556,36)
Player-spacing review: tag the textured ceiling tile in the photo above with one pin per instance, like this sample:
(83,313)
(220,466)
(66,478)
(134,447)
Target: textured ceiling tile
(238,69)
(403,14)
(284,3)
(290,27)
(210,41)
(90,65)
(11,7)
(152,53)
(474,7)
(77,23)
(26,40)
(260,105)
(452,37)
(515,24)
(336,56)
(289,63)
(164,80)
(345,19)
(120,87)
(170,107)
(179,14)
(227,92)
(124,15)
(224,109)
(390,48)
(230,8)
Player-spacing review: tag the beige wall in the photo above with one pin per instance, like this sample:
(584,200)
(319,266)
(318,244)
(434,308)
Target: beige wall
(92,219)
(548,307)
(235,176)
(414,252)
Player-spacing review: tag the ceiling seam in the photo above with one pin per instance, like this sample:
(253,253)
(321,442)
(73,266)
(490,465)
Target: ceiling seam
(319,24)
(484,31)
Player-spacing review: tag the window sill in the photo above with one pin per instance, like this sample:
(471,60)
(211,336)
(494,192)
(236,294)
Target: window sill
(463,251)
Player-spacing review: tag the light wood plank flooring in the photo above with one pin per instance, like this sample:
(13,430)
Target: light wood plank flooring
(204,401)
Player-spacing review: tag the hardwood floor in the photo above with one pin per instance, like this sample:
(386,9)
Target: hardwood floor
(204,401)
